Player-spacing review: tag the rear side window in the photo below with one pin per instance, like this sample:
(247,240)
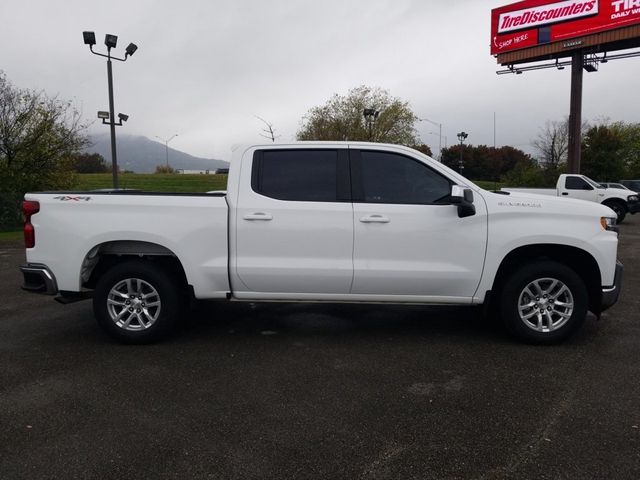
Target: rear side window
(296,175)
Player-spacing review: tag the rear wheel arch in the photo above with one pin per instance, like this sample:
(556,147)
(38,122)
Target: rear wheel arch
(107,255)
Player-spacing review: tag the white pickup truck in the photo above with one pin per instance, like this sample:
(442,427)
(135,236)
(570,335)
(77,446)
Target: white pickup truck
(325,222)
(620,200)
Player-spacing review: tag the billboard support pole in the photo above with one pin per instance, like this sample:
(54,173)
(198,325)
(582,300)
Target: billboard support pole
(575,112)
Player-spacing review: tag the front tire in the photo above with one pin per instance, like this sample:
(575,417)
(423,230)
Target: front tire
(543,302)
(136,302)
(619,208)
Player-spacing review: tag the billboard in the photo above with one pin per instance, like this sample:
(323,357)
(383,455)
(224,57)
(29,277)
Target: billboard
(532,23)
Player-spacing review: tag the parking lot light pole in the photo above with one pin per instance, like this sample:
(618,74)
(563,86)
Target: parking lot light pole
(439,125)
(370,116)
(462,136)
(166,145)
(110,42)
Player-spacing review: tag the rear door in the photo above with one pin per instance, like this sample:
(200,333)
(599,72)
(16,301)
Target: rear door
(294,224)
(409,240)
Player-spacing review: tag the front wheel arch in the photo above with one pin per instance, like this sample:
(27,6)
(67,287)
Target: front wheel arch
(580,261)
(619,207)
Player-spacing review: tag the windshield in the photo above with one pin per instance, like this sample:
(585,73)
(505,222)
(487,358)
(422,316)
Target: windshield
(592,183)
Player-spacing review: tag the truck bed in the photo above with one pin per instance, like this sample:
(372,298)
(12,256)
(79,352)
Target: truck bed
(72,226)
(537,191)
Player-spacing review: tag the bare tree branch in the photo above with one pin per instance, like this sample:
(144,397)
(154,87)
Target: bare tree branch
(268,131)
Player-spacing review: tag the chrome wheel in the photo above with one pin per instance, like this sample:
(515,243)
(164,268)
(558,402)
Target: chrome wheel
(133,304)
(545,305)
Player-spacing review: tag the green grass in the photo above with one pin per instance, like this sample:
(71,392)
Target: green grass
(488,185)
(154,182)
(157,182)
(11,236)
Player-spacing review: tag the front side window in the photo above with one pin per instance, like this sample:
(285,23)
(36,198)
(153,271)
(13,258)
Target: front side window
(296,175)
(577,183)
(393,178)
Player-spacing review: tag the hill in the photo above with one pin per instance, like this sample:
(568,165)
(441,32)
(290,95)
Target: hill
(142,155)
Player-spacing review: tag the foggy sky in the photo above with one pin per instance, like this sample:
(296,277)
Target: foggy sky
(205,69)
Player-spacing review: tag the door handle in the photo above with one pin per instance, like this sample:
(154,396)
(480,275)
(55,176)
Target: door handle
(375,218)
(565,193)
(265,217)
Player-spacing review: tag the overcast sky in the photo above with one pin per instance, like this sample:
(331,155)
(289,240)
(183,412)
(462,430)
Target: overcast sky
(206,68)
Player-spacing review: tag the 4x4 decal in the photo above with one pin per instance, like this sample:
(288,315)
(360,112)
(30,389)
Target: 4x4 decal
(72,198)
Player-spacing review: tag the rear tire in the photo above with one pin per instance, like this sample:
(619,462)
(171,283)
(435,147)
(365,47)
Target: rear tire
(543,302)
(137,302)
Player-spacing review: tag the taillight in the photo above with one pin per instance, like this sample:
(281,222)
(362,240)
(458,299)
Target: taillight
(29,208)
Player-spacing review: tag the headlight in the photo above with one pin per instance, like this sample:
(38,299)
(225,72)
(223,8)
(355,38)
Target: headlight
(608,223)
(632,198)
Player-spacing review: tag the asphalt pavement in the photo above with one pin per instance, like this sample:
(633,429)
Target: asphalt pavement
(299,391)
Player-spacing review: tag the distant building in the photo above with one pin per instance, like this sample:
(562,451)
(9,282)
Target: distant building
(194,172)
(218,171)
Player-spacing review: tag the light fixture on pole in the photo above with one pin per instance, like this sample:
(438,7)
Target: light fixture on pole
(166,146)
(104,116)
(591,63)
(439,125)
(370,116)
(462,136)
(108,118)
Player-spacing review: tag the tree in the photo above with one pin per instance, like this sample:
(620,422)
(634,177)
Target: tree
(423,148)
(341,118)
(602,153)
(90,163)
(552,143)
(165,169)
(38,137)
(526,175)
(484,163)
(630,151)
(268,132)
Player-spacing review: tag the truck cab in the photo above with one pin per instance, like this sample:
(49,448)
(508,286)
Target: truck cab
(620,200)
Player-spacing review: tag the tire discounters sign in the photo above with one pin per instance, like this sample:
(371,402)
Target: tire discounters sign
(532,23)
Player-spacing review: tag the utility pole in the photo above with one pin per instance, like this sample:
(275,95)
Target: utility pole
(166,146)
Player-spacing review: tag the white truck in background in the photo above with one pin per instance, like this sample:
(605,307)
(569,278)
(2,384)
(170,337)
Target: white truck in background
(619,200)
(325,222)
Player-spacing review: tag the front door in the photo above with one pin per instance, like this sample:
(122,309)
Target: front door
(409,242)
(579,188)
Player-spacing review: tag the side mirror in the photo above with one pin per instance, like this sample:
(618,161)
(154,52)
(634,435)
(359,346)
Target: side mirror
(463,198)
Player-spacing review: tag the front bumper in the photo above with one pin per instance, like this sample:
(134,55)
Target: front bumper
(610,294)
(39,279)
(633,207)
